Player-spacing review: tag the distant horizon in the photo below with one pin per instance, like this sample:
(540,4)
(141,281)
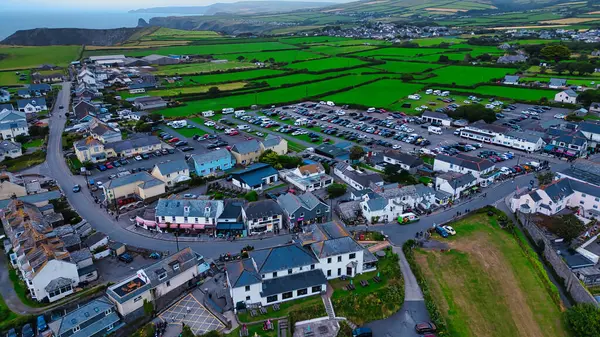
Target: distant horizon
(115,6)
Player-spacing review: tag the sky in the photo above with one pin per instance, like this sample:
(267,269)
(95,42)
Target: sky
(108,5)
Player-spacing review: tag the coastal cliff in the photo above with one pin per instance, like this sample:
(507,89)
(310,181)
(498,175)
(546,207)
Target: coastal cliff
(70,36)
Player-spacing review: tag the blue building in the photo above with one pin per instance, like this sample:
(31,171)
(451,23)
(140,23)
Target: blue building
(96,318)
(210,163)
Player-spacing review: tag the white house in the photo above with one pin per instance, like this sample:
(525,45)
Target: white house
(186,213)
(264,216)
(10,149)
(387,202)
(436,118)
(480,168)
(357,179)
(530,141)
(455,183)
(255,177)
(32,105)
(566,96)
(13,123)
(308,177)
(299,269)
(405,161)
(172,172)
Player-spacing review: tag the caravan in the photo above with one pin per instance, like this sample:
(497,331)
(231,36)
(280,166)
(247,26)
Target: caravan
(178,124)
(227,111)
(208,113)
(239,113)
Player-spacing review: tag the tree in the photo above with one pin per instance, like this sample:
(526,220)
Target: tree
(566,226)
(395,174)
(356,152)
(561,67)
(240,58)
(213,91)
(485,57)
(588,97)
(155,117)
(212,333)
(187,332)
(21,139)
(272,158)
(556,52)
(148,308)
(251,196)
(336,190)
(38,131)
(473,113)
(545,178)
(468,58)
(142,126)
(584,320)
(443,59)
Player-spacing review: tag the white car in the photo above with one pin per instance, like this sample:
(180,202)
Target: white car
(559,116)
(525,112)
(138,158)
(209,123)
(340,113)
(260,134)
(99,183)
(396,147)
(533,113)
(450,230)
(243,127)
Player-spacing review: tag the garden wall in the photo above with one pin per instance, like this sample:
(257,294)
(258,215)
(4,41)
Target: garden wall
(572,285)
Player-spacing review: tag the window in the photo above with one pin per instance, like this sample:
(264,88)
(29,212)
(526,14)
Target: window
(595,206)
(329,273)
(110,327)
(340,258)
(328,260)
(289,271)
(162,276)
(316,289)
(339,271)
(196,219)
(247,298)
(287,295)
(168,283)
(77,328)
(597,199)
(275,274)
(247,288)
(173,218)
(271,299)
(312,267)
(108,312)
(263,276)
(302,292)
(318,211)
(583,195)
(185,219)
(581,202)
(353,255)
(137,299)
(302,215)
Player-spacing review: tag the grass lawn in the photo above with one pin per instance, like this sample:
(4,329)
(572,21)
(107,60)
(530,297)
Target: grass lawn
(436,40)
(406,67)
(486,278)
(169,32)
(24,161)
(211,49)
(528,94)
(293,146)
(226,77)
(335,50)
(467,76)
(405,53)
(31,57)
(187,90)
(196,68)
(189,133)
(326,63)
(313,302)
(10,78)
(33,143)
(5,313)
(21,290)
(382,93)
(375,301)
(313,39)
(278,56)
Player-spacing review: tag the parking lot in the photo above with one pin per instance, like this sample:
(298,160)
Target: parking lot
(191,312)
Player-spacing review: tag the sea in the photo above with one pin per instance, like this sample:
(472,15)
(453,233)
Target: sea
(12,21)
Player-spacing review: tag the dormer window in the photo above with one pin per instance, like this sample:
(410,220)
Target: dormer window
(162,276)
(176,266)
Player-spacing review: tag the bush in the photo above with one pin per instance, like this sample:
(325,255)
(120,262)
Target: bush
(251,196)
(336,190)
(584,320)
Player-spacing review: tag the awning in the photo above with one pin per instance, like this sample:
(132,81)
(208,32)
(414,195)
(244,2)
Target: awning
(148,223)
(185,226)
(549,148)
(199,226)
(174,225)
(560,150)
(230,226)
(162,225)
(570,153)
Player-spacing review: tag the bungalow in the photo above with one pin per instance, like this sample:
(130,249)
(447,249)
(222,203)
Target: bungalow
(211,163)
(303,209)
(4,96)
(308,177)
(172,172)
(50,78)
(557,83)
(13,124)
(164,278)
(332,152)
(436,118)
(511,80)
(357,179)
(10,149)
(32,105)
(247,152)
(24,93)
(566,96)
(405,161)
(262,216)
(511,59)
(149,103)
(255,177)
(141,185)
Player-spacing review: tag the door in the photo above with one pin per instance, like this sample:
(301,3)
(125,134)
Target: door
(349,271)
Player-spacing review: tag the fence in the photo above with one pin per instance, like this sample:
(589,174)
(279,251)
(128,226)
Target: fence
(572,285)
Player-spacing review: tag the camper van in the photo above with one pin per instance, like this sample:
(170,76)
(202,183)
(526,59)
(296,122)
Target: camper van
(178,124)
(429,91)
(406,218)
(371,110)
(437,92)
(330,103)
(208,113)
(414,97)
(445,93)
(227,111)
(435,129)
(239,113)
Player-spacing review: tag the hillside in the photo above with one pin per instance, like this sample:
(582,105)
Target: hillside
(72,36)
(242,7)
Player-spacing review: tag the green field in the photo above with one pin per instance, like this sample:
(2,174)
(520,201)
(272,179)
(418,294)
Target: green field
(525,94)
(491,283)
(10,78)
(436,40)
(283,95)
(405,53)
(226,77)
(334,50)
(406,67)
(188,90)
(277,56)
(32,57)
(313,39)
(326,64)
(379,94)
(188,34)
(196,68)
(467,76)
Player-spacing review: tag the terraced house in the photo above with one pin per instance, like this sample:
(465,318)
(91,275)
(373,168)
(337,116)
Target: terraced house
(304,209)
(211,163)
(172,172)
(95,318)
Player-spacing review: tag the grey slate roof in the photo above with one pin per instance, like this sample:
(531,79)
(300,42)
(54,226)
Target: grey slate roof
(570,93)
(458,179)
(433,114)
(364,179)
(377,204)
(133,143)
(253,175)
(242,273)
(405,158)
(211,156)
(6,106)
(11,115)
(284,257)
(33,101)
(271,140)
(332,247)
(245,147)
(530,136)
(172,166)
(139,177)
(469,162)
(589,126)
(558,82)
(81,255)
(293,282)
(262,208)
(291,202)
(197,208)
(511,78)
(34,198)
(535,196)
(82,314)
(584,170)
(6,146)
(94,239)
(58,283)
(232,209)
(564,187)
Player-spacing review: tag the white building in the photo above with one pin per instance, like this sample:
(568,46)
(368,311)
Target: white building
(297,270)
(172,172)
(566,96)
(455,183)
(436,118)
(357,179)
(387,202)
(255,177)
(405,161)
(308,177)
(530,141)
(263,216)
(13,123)
(188,213)
(482,169)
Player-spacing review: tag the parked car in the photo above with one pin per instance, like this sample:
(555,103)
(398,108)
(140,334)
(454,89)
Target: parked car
(27,331)
(138,158)
(76,189)
(145,156)
(441,231)
(41,324)
(362,332)
(11,333)
(425,327)
(450,230)
(125,257)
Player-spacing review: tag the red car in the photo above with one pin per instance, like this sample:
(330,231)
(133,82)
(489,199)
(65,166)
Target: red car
(425,327)
(173,140)
(109,165)
(234,133)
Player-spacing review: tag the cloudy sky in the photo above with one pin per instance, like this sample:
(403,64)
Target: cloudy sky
(107,5)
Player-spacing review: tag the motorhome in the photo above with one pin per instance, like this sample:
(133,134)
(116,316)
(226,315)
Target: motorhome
(208,113)
(178,124)
(435,129)
(239,113)
(227,111)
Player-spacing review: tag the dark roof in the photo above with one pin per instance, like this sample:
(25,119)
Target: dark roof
(293,282)
(133,143)
(589,126)
(364,179)
(332,247)
(38,101)
(405,158)
(466,161)
(584,170)
(262,208)
(232,209)
(242,273)
(438,115)
(83,109)
(253,174)
(95,238)
(58,283)
(564,187)
(535,196)
(284,257)
(245,147)
(458,179)
(331,151)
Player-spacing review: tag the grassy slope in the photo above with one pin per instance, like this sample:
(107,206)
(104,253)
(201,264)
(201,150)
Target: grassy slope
(30,57)
(486,279)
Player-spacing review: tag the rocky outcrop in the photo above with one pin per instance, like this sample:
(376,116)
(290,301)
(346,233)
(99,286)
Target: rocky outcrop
(70,36)
(142,23)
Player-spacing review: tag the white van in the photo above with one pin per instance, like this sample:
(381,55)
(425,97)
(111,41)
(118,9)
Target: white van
(437,92)
(227,111)
(429,91)
(239,113)
(330,103)
(414,97)
(445,93)
(435,129)
(208,113)
(371,110)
